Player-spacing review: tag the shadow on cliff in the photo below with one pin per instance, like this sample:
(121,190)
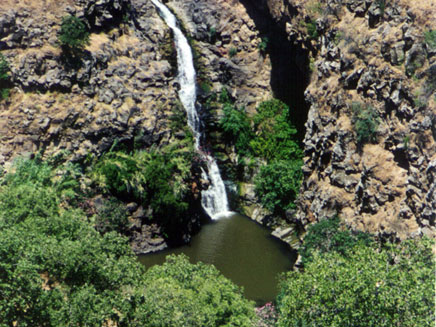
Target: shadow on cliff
(290,64)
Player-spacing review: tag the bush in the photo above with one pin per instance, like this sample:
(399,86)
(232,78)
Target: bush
(57,270)
(277,185)
(312,30)
(159,179)
(4,68)
(4,77)
(328,236)
(236,127)
(430,38)
(274,132)
(263,44)
(392,286)
(73,35)
(111,217)
(232,52)
(365,123)
(178,293)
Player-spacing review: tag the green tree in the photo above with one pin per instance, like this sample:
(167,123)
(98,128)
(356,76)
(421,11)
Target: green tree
(178,293)
(57,270)
(277,185)
(274,132)
(73,35)
(236,127)
(327,236)
(159,179)
(370,287)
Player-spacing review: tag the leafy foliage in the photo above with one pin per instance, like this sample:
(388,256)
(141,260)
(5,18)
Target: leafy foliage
(328,236)
(4,77)
(73,35)
(277,185)
(274,132)
(53,259)
(158,178)
(430,38)
(111,216)
(365,123)
(391,286)
(232,52)
(181,294)
(263,44)
(57,270)
(236,127)
(267,136)
(312,31)
(4,68)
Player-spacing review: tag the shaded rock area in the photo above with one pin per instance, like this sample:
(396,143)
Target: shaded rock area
(227,44)
(375,55)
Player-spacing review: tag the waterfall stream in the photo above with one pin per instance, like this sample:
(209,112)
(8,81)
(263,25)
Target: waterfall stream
(214,199)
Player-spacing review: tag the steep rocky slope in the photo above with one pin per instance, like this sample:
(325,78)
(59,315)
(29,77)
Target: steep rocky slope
(367,54)
(124,89)
(357,55)
(116,93)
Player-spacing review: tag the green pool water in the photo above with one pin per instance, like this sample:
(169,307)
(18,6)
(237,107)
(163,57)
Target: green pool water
(242,250)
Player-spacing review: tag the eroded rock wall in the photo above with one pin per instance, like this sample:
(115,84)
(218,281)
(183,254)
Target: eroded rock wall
(373,53)
(227,42)
(114,93)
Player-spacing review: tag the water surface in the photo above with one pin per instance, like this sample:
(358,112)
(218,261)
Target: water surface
(242,250)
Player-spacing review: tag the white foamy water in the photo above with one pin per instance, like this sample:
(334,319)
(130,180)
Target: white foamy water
(214,199)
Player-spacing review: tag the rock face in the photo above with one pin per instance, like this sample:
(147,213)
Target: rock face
(114,93)
(371,53)
(227,45)
(374,54)
(124,86)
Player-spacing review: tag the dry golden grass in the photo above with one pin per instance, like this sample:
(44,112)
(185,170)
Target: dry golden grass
(37,6)
(425,11)
(96,41)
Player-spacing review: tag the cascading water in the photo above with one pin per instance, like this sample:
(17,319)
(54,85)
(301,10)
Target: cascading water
(214,199)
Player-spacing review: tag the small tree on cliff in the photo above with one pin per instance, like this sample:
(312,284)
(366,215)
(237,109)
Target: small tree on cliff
(73,35)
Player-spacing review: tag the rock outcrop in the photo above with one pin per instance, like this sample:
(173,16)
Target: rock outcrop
(370,53)
(123,87)
(115,92)
(227,44)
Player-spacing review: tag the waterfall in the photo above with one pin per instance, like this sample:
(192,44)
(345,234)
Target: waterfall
(214,199)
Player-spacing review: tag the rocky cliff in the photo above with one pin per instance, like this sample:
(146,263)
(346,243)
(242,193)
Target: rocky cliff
(354,63)
(124,87)
(368,59)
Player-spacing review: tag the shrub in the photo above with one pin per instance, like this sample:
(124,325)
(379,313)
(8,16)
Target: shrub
(159,178)
(111,217)
(263,44)
(4,77)
(365,122)
(274,132)
(430,38)
(56,270)
(312,30)
(277,185)
(232,52)
(178,293)
(236,128)
(328,236)
(4,68)
(392,286)
(73,35)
